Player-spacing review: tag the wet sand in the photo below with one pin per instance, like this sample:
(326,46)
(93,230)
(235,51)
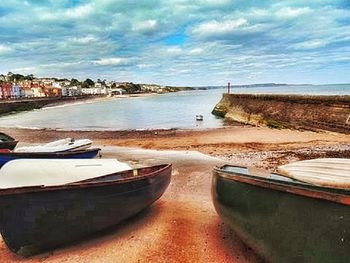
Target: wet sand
(182,226)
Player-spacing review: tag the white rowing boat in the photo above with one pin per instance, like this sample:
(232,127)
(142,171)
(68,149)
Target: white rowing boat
(62,145)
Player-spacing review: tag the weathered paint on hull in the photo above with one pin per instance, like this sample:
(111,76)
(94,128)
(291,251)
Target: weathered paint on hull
(282,226)
(83,154)
(34,222)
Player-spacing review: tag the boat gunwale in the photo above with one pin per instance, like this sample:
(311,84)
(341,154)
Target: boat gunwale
(341,196)
(31,155)
(88,183)
(74,149)
(77,147)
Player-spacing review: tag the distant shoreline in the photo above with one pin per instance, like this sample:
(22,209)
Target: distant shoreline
(13,106)
(8,107)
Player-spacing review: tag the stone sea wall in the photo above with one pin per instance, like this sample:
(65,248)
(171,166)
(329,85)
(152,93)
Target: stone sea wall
(330,113)
(11,106)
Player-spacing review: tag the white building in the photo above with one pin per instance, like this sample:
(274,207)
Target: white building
(91,91)
(56,85)
(37,92)
(64,83)
(71,91)
(16,91)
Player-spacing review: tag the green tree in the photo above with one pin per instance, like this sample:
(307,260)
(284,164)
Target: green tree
(88,83)
(74,82)
(29,77)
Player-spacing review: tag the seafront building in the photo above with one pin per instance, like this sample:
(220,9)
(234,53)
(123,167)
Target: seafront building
(16,86)
(46,88)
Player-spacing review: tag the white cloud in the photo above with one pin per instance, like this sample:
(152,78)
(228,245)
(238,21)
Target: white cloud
(4,49)
(80,11)
(174,50)
(145,65)
(196,51)
(288,12)
(84,40)
(61,64)
(24,70)
(311,44)
(214,27)
(145,26)
(258,13)
(215,2)
(184,71)
(111,61)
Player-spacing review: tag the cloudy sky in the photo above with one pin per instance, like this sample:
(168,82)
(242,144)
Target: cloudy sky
(178,42)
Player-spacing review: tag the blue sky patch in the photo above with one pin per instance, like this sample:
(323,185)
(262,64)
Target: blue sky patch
(177,39)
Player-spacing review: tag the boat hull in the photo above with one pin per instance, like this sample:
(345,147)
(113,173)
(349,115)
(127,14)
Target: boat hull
(284,222)
(83,154)
(8,144)
(34,222)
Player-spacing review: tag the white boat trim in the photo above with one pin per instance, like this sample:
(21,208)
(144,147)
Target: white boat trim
(62,145)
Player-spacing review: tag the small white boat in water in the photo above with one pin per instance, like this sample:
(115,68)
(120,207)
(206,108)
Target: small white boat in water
(50,172)
(199,117)
(63,145)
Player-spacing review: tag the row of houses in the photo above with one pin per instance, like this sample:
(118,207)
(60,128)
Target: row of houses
(50,88)
(20,90)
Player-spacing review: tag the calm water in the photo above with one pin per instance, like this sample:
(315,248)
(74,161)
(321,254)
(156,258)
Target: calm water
(173,110)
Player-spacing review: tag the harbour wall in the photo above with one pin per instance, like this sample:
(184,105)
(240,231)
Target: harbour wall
(12,106)
(331,113)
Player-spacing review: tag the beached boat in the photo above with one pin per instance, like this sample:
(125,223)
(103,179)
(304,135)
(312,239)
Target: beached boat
(7,142)
(199,117)
(285,219)
(6,156)
(67,144)
(39,218)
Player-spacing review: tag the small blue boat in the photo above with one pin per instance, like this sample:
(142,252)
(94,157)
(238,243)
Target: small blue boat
(6,156)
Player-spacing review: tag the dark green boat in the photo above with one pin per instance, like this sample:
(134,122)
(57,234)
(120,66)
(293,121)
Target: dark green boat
(283,219)
(39,218)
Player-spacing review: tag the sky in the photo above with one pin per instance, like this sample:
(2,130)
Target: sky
(178,42)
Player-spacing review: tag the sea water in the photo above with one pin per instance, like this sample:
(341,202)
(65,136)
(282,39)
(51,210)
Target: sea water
(171,110)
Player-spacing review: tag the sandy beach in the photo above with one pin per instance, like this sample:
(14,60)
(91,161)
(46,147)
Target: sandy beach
(182,226)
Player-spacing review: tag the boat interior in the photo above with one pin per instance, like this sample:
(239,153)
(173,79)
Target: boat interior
(128,174)
(257,173)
